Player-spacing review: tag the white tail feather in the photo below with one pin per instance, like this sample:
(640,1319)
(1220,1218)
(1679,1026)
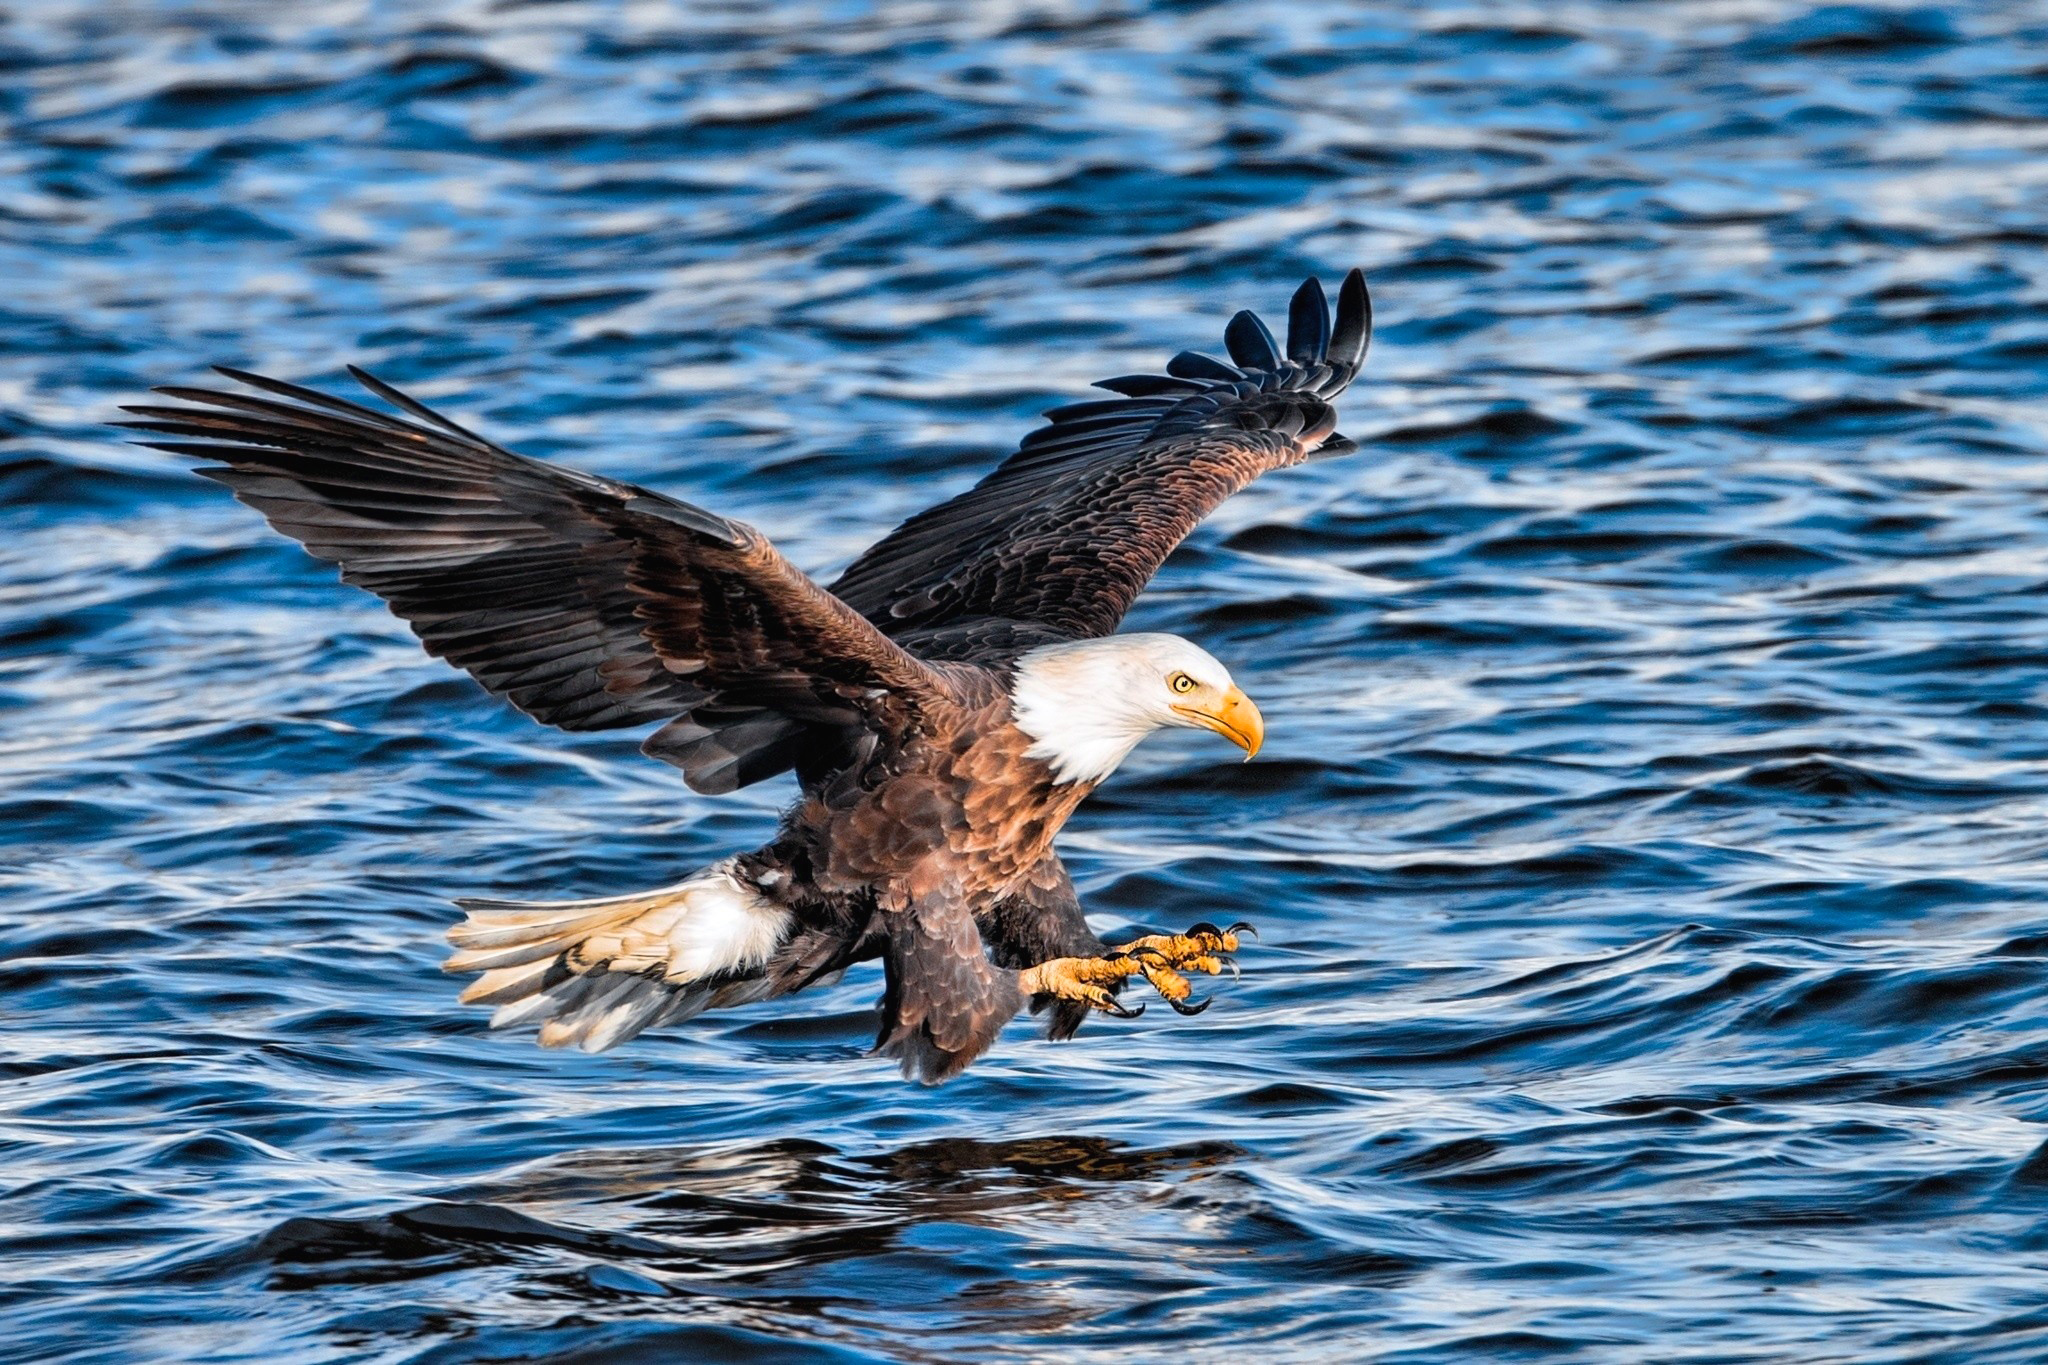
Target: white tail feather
(596,972)
(505,983)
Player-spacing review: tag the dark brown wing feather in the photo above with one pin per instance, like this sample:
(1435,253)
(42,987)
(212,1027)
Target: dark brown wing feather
(943,1001)
(1067,532)
(586,602)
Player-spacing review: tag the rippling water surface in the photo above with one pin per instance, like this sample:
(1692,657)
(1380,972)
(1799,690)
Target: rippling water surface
(1650,850)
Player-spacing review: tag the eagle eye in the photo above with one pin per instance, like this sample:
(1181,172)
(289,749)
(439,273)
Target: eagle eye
(1181,682)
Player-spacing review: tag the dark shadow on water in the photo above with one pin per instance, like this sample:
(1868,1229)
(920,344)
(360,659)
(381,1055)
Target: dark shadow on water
(728,1214)
(786,1250)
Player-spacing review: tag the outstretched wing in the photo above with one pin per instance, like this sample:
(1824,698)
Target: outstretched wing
(585,602)
(1065,534)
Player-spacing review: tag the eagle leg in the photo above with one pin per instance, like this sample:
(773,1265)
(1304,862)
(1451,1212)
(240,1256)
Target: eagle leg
(1087,979)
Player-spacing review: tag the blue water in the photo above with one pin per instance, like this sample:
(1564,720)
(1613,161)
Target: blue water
(1651,848)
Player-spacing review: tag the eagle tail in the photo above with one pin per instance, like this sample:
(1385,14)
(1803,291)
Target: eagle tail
(597,972)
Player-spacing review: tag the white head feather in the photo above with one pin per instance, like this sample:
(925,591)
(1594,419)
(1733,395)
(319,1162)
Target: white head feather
(1087,703)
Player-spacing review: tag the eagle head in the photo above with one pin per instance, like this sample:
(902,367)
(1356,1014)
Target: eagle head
(1086,703)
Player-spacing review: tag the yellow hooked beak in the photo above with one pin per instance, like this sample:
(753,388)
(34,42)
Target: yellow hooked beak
(1234,717)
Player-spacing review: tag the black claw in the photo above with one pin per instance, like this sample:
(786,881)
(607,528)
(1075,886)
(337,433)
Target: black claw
(1245,927)
(1203,928)
(1120,1010)
(1148,952)
(1179,1008)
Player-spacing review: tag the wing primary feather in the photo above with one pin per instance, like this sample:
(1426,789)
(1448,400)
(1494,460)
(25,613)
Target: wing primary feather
(414,406)
(1308,324)
(1250,344)
(1148,385)
(1101,407)
(1354,325)
(355,419)
(1195,365)
(296,392)
(199,450)
(350,428)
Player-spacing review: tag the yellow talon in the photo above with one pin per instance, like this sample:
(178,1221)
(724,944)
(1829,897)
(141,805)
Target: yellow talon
(1085,979)
(1159,958)
(1169,983)
(1200,945)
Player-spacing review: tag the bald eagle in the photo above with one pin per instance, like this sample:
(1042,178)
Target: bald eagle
(945,705)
